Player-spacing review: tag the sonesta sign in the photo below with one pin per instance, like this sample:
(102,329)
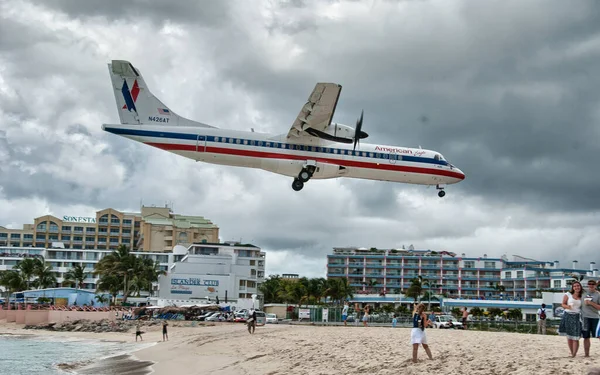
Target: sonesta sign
(79,219)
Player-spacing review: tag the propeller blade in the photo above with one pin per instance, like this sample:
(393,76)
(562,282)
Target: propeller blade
(358,129)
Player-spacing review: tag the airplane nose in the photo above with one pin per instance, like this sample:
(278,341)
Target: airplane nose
(461,175)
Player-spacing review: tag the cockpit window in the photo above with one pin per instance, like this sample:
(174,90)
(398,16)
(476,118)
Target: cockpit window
(437,157)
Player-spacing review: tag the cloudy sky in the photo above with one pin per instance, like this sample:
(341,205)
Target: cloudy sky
(508,91)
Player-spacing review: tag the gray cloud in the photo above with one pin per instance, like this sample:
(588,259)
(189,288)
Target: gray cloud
(507,93)
(204,13)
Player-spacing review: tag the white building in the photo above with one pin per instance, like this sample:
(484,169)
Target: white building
(199,271)
(224,271)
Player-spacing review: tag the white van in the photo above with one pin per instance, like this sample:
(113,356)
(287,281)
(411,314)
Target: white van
(261,318)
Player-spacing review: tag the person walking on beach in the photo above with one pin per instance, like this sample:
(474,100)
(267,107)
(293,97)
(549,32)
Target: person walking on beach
(165,334)
(589,312)
(252,322)
(541,320)
(465,315)
(417,335)
(394,321)
(570,323)
(366,316)
(138,330)
(345,313)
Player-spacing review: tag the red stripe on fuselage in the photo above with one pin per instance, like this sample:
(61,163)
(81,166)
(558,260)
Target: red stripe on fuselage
(273,155)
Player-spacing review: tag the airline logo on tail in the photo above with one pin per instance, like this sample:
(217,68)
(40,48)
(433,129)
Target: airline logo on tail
(130,96)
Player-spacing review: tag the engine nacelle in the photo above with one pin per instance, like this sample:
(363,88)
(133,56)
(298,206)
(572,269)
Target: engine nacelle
(337,133)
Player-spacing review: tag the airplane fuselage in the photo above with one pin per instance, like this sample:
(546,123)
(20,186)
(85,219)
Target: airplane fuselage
(288,156)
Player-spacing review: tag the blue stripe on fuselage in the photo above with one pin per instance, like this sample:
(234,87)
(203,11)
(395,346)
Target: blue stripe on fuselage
(275,144)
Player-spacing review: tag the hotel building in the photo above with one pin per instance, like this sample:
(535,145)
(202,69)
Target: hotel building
(390,271)
(237,269)
(154,229)
(215,270)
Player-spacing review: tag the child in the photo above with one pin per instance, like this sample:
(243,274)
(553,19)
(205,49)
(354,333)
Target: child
(394,321)
(417,335)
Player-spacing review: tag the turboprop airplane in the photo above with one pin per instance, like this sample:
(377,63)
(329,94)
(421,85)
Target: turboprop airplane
(313,148)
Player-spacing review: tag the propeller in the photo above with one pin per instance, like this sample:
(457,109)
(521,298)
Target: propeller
(358,133)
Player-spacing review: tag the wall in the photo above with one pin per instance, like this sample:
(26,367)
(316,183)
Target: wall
(47,316)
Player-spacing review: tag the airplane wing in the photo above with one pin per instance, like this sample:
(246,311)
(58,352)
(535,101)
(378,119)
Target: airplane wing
(318,110)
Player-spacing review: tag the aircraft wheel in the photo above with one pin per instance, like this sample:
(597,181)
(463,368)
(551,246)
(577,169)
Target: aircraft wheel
(304,175)
(297,185)
(441,193)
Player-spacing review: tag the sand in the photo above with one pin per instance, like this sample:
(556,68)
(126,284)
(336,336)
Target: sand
(228,348)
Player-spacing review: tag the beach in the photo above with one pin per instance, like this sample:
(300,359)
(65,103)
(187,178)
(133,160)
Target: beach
(226,348)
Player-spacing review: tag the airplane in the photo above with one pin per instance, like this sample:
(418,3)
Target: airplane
(313,148)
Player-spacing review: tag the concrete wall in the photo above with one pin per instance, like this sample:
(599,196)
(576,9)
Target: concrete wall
(20,317)
(47,316)
(66,316)
(11,316)
(36,316)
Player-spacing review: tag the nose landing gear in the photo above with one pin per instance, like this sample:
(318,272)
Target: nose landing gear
(441,191)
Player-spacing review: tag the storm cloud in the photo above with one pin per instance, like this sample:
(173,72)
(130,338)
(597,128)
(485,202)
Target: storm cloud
(507,91)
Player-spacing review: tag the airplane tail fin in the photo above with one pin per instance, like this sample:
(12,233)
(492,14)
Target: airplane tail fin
(135,103)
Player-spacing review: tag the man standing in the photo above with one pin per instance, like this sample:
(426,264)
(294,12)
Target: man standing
(345,313)
(589,312)
(541,320)
(465,315)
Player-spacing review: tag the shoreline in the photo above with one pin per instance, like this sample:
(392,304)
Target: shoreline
(119,362)
(228,349)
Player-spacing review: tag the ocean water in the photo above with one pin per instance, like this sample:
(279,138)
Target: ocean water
(30,354)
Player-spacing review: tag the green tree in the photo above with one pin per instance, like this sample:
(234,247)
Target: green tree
(416,288)
(477,312)
(45,277)
(12,281)
(76,276)
(270,289)
(28,268)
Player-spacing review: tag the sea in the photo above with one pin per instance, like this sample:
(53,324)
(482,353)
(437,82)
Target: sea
(33,355)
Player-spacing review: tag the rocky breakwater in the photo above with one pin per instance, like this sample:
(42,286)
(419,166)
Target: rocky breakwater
(85,325)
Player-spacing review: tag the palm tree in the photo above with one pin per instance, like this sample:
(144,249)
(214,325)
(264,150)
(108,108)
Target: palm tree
(76,275)
(416,288)
(28,267)
(45,277)
(12,281)
(110,283)
(270,289)
(119,263)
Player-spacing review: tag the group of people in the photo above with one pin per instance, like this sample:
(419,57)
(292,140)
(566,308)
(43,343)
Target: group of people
(580,317)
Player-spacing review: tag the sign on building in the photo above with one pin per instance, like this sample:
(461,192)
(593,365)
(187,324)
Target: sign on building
(79,219)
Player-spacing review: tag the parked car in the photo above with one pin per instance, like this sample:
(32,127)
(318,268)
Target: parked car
(447,321)
(272,318)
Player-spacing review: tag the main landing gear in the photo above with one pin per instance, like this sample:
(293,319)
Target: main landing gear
(441,191)
(305,174)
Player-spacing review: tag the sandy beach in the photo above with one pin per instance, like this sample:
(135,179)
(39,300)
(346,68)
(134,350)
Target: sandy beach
(227,348)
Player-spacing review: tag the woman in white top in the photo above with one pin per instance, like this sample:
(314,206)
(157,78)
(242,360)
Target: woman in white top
(570,323)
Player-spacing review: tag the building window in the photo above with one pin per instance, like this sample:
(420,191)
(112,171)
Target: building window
(469,264)
(183,237)
(489,265)
(556,283)
(519,274)
(507,275)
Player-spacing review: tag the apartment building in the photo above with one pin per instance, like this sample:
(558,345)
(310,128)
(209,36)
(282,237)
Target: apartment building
(153,229)
(390,271)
